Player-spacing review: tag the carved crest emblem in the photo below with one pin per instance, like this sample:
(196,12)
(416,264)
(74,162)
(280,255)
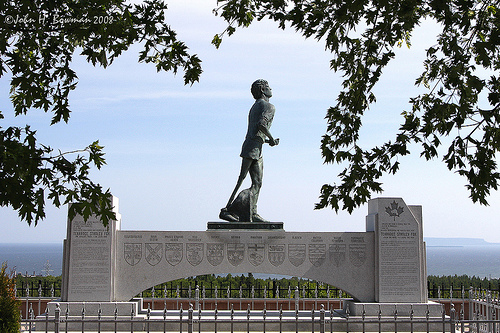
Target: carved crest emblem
(235,253)
(132,253)
(194,253)
(357,254)
(394,210)
(215,253)
(336,253)
(173,253)
(154,253)
(317,254)
(276,254)
(256,253)
(296,254)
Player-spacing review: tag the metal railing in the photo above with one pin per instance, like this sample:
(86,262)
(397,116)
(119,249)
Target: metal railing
(255,321)
(479,313)
(242,321)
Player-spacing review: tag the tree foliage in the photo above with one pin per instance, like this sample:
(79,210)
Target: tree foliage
(462,98)
(38,40)
(10,318)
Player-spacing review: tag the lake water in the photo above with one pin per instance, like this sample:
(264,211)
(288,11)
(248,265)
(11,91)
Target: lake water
(478,260)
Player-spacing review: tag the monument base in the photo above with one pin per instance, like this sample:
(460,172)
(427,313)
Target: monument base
(388,309)
(107,311)
(245,225)
(395,317)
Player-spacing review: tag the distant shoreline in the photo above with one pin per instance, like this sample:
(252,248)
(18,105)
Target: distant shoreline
(473,257)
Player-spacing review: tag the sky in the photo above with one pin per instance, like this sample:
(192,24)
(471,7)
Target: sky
(172,151)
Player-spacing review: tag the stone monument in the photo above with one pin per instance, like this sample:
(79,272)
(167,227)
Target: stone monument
(385,264)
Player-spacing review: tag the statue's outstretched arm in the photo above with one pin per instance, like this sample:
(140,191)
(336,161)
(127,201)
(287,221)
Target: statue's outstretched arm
(272,141)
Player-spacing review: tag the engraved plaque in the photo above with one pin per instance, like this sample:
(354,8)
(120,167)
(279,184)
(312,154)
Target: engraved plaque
(235,253)
(297,254)
(336,253)
(215,253)
(173,253)
(276,254)
(154,253)
(194,253)
(256,253)
(357,254)
(132,253)
(317,254)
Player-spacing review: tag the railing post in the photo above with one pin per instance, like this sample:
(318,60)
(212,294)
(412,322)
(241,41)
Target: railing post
(427,315)
(99,315)
(380,318)
(347,312)
(494,318)
(248,318)
(197,297)
(27,292)
(264,318)
(57,315)
(199,320)
(452,317)
(132,320)
(190,318)
(443,315)
(215,315)
(471,303)
(296,320)
(411,317)
(297,296)
(148,318)
(180,318)
(363,317)
(115,315)
(40,291)
(232,318)
(153,294)
(252,293)
(395,319)
(322,319)
(312,320)
(83,318)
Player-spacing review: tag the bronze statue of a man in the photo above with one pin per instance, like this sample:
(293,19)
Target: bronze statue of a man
(260,118)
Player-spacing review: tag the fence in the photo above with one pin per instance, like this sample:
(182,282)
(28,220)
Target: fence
(258,321)
(479,312)
(270,289)
(173,289)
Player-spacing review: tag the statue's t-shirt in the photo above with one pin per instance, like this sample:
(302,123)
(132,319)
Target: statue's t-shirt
(261,114)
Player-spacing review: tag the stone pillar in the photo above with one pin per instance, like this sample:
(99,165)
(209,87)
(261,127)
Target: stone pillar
(89,259)
(400,269)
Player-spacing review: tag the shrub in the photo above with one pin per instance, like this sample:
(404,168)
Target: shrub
(10,317)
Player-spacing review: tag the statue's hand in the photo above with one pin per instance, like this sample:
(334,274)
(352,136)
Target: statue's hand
(273,142)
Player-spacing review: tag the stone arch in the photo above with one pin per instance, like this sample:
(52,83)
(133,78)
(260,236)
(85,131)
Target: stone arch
(384,264)
(347,265)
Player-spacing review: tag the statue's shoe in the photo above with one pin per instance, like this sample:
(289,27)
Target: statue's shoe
(257,218)
(227,216)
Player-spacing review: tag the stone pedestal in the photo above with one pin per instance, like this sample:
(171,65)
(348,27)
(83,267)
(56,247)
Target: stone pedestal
(89,259)
(244,225)
(400,273)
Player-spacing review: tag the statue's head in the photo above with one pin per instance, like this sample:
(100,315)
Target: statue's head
(259,87)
